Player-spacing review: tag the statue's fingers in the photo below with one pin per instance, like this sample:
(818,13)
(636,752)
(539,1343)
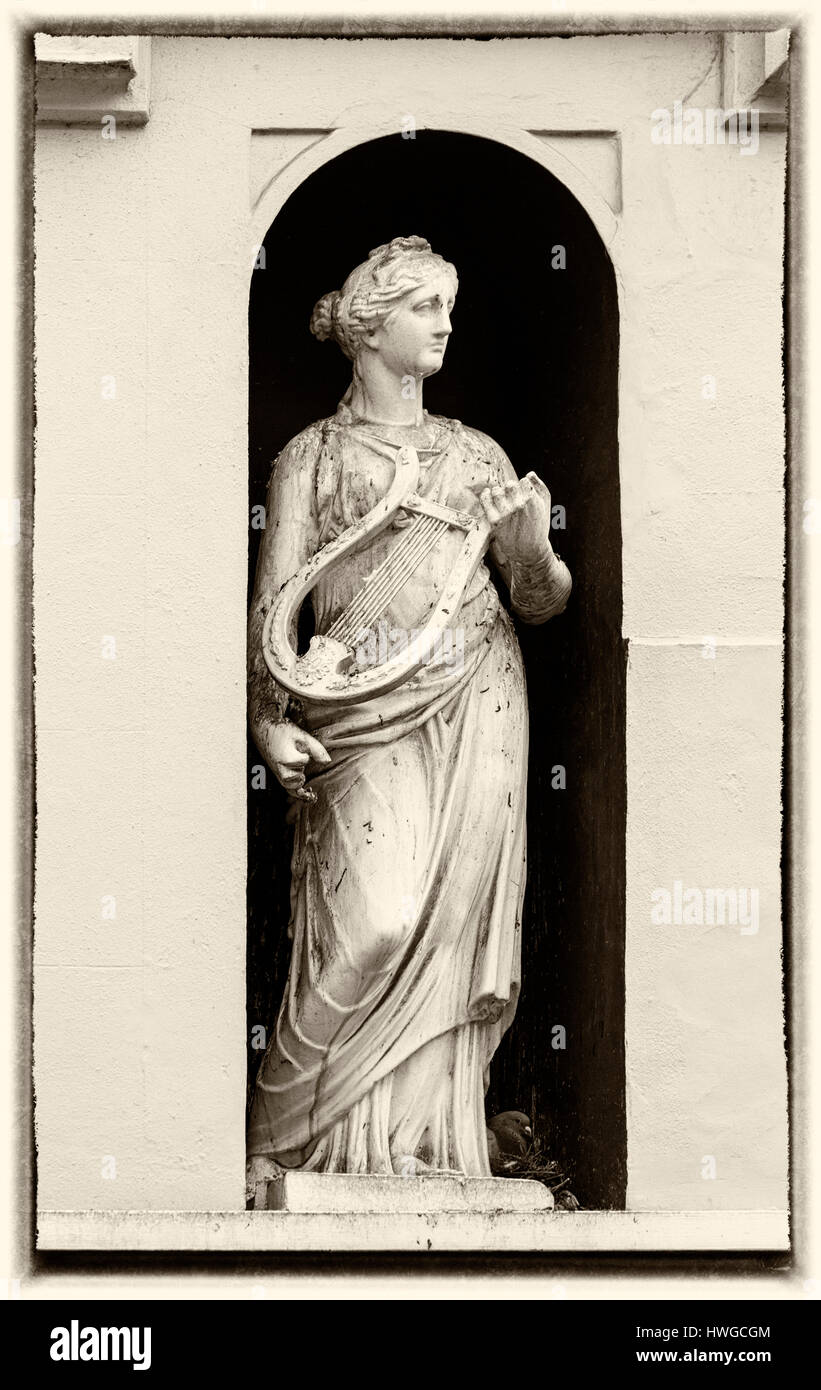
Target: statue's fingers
(498,500)
(291,780)
(298,761)
(519,493)
(540,487)
(491,510)
(505,495)
(314,748)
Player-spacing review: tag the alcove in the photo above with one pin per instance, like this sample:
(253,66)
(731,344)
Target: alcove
(533,361)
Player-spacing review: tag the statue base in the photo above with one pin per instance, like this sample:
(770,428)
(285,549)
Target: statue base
(419,1193)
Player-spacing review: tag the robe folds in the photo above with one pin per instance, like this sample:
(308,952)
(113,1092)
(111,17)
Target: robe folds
(408,872)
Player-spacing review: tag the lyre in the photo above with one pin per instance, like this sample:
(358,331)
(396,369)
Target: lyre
(327,673)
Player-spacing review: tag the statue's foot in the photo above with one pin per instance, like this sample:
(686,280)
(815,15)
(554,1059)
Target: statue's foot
(259,1171)
(412,1166)
(409,1166)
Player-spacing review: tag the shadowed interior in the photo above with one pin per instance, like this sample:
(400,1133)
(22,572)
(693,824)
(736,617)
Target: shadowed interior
(532,361)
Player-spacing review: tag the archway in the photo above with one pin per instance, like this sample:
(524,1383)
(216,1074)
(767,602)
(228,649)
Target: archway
(533,361)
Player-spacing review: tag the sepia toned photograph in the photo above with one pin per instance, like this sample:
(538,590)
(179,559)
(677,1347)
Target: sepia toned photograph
(412,589)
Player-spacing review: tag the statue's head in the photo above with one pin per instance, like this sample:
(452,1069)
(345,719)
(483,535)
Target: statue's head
(396,303)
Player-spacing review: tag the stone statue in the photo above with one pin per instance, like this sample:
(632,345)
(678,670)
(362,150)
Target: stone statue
(409,858)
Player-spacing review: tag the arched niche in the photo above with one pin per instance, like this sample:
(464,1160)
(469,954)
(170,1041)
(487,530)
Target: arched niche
(533,361)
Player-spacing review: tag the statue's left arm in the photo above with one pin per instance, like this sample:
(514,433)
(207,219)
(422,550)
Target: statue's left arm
(538,579)
(289,540)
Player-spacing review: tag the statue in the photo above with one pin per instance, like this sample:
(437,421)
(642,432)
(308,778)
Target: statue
(408,791)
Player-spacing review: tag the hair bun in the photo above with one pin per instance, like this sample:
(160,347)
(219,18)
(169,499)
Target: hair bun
(322,318)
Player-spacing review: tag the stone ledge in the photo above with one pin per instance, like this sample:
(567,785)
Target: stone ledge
(339,1194)
(486,1233)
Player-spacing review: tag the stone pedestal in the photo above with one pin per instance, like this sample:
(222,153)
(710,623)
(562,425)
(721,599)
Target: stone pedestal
(426,1193)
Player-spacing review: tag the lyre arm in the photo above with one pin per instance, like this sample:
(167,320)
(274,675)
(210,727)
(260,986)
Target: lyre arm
(278,634)
(287,542)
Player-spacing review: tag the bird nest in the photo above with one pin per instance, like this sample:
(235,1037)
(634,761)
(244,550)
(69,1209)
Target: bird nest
(534,1165)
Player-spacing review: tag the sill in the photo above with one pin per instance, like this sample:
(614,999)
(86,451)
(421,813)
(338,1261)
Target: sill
(487,1232)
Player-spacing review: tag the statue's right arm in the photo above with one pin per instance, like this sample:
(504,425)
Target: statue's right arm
(289,540)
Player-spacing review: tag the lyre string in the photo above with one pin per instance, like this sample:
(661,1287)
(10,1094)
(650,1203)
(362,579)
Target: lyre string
(374,598)
(393,560)
(413,560)
(386,581)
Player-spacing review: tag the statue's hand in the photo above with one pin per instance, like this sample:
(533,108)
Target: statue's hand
(519,515)
(288,750)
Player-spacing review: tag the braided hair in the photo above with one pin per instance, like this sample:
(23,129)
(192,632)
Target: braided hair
(373,289)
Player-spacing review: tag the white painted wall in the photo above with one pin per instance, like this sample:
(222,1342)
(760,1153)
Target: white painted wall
(144,248)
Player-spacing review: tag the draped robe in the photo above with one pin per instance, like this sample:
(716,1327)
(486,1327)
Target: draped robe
(408,872)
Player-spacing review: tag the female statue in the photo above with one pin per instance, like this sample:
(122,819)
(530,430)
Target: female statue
(408,867)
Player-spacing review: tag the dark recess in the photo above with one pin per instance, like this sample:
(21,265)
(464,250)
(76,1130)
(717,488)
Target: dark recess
(533,361)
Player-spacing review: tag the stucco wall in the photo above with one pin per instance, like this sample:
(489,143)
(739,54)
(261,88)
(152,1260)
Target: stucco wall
(144,250)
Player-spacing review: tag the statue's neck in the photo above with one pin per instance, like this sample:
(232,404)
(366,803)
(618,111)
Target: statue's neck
(376,394)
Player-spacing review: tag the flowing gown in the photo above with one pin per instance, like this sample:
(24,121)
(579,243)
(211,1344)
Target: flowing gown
(408,872)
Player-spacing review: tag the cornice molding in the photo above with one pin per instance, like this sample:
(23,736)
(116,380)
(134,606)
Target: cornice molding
(80,81)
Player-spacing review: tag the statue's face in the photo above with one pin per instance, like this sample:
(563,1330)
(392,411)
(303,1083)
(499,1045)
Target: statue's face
(412,340)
